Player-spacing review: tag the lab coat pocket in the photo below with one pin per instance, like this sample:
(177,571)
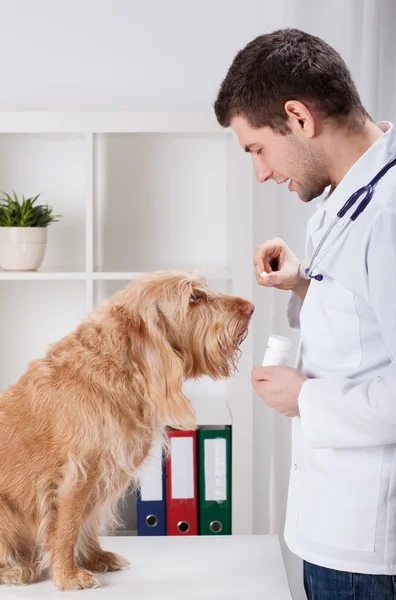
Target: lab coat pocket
(330,326)
(339,503)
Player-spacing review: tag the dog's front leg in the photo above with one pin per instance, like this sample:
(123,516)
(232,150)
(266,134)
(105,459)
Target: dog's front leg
(63,538)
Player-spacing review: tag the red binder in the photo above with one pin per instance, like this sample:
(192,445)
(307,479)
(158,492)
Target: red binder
(182,483)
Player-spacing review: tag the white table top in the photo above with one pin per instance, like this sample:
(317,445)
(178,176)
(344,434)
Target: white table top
(182,568)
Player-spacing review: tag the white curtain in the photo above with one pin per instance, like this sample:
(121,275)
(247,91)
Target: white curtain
(363,31)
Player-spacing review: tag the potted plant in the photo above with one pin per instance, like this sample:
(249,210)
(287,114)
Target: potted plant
(23,232)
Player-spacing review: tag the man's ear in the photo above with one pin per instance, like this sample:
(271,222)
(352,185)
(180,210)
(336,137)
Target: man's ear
(300,119)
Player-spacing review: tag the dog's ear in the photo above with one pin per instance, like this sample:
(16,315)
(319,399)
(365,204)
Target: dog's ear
(161,368)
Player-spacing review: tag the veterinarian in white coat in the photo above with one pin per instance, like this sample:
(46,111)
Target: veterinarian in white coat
(341,511)
(342,496)
(293,105)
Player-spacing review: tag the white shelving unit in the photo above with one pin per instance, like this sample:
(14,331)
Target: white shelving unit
(137,192)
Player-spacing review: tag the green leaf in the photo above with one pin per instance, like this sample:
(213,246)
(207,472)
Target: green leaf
(14,213)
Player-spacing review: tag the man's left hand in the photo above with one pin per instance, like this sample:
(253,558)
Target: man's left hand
(279,387)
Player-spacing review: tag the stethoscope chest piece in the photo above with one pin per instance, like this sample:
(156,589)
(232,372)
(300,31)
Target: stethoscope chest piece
(318,277)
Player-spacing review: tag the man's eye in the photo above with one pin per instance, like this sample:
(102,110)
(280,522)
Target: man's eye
(259,152)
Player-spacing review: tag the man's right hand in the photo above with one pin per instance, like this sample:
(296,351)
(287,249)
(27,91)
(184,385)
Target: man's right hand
(275,258)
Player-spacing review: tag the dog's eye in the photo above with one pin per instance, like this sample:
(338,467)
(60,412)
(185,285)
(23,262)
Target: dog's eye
(195,298)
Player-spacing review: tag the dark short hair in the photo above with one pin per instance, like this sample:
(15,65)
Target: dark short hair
(288,64)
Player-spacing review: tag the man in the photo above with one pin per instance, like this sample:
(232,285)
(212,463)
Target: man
(293,105)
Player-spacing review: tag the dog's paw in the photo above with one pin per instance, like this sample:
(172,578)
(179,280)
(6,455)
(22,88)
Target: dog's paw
(78,579)
(107,561)
(18,575)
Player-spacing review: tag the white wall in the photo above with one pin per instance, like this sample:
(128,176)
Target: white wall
(122,54)
(172,55)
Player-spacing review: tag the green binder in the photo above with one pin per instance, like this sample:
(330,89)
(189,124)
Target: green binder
(214,481)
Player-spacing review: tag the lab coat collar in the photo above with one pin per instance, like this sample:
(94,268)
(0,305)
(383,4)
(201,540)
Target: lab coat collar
(364,169)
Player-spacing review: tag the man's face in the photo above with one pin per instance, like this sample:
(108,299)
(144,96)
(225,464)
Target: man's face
(283,158)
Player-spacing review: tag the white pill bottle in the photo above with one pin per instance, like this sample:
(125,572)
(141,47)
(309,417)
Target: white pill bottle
(277,351)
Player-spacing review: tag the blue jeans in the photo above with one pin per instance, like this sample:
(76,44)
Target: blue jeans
(327,584)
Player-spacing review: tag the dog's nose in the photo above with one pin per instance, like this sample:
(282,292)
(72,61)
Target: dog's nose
(248,309)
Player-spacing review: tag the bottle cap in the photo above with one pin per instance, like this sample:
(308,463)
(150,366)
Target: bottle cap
(279,343)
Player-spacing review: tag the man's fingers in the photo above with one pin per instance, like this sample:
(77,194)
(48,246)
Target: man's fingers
(269,278)
(267,253)
(261,373)
(259,265)
(272,279)
(266,261)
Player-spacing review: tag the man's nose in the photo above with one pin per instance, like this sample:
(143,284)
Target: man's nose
(263,173)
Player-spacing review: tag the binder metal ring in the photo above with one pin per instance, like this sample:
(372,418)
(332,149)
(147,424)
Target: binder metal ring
(183,526)
(216,526)
(151,520)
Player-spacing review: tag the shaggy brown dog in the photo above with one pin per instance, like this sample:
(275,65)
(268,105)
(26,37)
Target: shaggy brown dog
(77,425)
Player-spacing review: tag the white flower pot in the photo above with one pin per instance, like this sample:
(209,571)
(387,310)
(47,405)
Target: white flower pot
(22,248)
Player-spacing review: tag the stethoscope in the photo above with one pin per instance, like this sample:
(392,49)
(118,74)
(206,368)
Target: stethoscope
(367,191)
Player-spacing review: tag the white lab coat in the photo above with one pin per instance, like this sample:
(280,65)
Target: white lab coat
(341,511)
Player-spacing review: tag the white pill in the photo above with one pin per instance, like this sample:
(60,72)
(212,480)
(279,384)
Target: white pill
(263,274)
